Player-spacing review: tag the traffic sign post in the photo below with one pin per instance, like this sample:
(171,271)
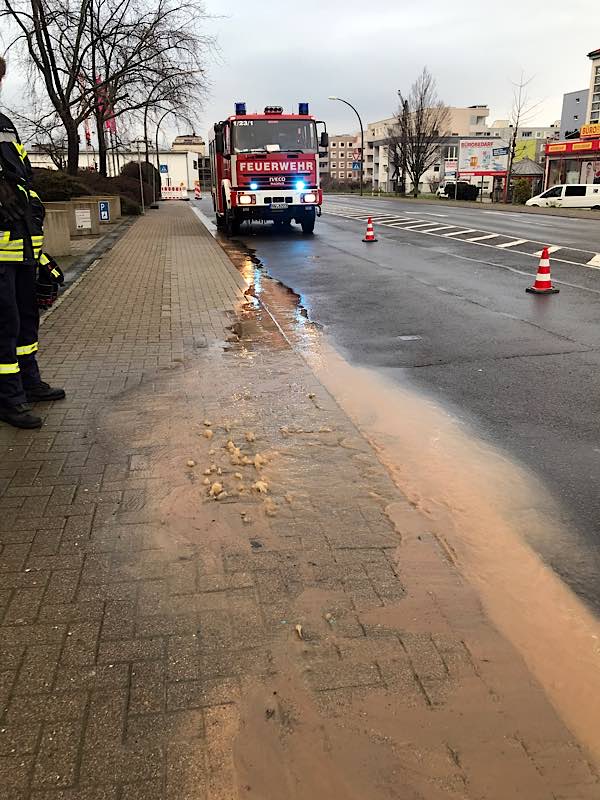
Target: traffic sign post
(164,169)
(104,211)
(356,165)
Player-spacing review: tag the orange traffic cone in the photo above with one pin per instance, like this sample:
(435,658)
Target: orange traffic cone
(543,281)
(370,234)
(197,194)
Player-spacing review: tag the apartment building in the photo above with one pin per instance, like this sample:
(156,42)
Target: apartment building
(342,153)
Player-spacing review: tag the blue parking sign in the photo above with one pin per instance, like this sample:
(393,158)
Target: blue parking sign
(104,210)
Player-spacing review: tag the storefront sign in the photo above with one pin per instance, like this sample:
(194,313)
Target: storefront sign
(589,131)
(573,147)
(482,157)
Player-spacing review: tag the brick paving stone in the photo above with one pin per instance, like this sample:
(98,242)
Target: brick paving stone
(139,621)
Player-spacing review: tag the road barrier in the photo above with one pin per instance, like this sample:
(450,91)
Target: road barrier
(173,192)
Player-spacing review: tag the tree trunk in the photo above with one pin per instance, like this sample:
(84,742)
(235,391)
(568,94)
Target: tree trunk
(101,145)
(72,149)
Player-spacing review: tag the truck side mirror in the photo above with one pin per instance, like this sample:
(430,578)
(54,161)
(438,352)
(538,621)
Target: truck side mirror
(324,143)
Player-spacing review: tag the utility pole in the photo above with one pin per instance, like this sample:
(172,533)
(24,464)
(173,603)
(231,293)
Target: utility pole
(404,145)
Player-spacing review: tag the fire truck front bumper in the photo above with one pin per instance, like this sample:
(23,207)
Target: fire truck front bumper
(276,203)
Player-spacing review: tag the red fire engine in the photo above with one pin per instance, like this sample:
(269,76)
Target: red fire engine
(265,167)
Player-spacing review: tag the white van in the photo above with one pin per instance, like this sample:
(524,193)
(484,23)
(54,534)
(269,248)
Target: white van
(569,195)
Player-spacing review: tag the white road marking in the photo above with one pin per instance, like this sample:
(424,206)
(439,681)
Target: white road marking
(481,238)
(447,227)
(414,226)
(593,263)
(551,249)
(514,243)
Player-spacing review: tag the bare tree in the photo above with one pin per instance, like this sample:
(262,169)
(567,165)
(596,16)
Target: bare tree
(423,121)
(522,110)
(45,131)
(101,57)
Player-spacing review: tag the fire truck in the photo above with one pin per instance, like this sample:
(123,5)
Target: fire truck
(266,167)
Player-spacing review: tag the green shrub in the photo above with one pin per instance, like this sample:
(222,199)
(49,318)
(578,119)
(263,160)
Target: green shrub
(149,174)
(521,191)
(52,185)
(129,208)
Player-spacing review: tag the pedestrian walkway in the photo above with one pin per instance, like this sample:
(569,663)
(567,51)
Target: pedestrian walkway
(202,593)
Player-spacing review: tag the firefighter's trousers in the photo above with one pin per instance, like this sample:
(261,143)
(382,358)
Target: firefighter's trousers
(19,323)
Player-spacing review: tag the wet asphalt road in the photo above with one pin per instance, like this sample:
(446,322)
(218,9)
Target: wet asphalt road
(522,369)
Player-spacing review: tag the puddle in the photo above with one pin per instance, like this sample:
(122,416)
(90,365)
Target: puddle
(481,506)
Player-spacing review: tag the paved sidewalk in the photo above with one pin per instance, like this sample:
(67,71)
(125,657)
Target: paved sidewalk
(287,640)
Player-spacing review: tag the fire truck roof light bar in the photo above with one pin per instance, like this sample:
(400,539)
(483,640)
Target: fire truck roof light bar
(274,110)
(240,109)
(303,109)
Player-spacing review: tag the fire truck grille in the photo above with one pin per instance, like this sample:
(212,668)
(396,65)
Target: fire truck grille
(279,200)
(264,181)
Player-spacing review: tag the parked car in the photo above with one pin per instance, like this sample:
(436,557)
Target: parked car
(441,190)
(569,195)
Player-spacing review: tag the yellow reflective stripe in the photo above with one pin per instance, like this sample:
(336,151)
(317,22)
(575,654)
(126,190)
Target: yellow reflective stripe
(20,150)
(23,189)
(34,194)
(27,349)
(4,236)
(9,369)
(17,255)
(13,244)
(55,272)
(44,259)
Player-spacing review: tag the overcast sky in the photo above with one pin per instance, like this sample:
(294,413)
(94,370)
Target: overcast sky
(277,52)
(274,52)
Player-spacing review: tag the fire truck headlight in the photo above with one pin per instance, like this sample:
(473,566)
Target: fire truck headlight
(254,186)
(246,199)
(309,197)
(300,186)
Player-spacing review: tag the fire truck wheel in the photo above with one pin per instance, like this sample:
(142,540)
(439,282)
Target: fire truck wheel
(308,222)
(232,224)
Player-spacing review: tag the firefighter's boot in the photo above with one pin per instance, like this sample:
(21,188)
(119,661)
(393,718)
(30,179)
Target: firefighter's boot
(43,391)
(19,416)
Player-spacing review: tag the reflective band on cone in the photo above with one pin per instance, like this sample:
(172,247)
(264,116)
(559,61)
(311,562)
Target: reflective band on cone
(197,194)
(543,280)
(370,234)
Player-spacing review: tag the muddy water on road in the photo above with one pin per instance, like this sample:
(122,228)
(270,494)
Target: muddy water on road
(481,506)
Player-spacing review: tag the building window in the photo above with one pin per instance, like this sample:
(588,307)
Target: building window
(341,144)
(526,134)
(350,144)
(333,165)
(350,175)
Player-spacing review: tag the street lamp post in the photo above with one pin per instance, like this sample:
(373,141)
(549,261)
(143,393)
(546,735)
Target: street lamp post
(169,111)
(362,139)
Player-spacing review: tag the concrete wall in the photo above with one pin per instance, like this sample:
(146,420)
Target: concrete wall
(57,238)
(88,213)
(574,111)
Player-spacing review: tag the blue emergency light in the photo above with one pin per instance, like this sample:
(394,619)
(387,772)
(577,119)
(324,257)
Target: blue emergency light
(300,186)
(254,186)
(240,109)
(303,109)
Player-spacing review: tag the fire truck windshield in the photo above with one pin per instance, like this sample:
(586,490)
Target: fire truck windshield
(262,135)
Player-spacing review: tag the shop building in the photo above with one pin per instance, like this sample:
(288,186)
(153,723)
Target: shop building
(578,160)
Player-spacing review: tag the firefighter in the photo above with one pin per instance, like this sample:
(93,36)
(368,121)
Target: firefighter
(21,238)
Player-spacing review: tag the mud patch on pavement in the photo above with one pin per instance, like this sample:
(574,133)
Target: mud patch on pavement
(482,508)
(485,512)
